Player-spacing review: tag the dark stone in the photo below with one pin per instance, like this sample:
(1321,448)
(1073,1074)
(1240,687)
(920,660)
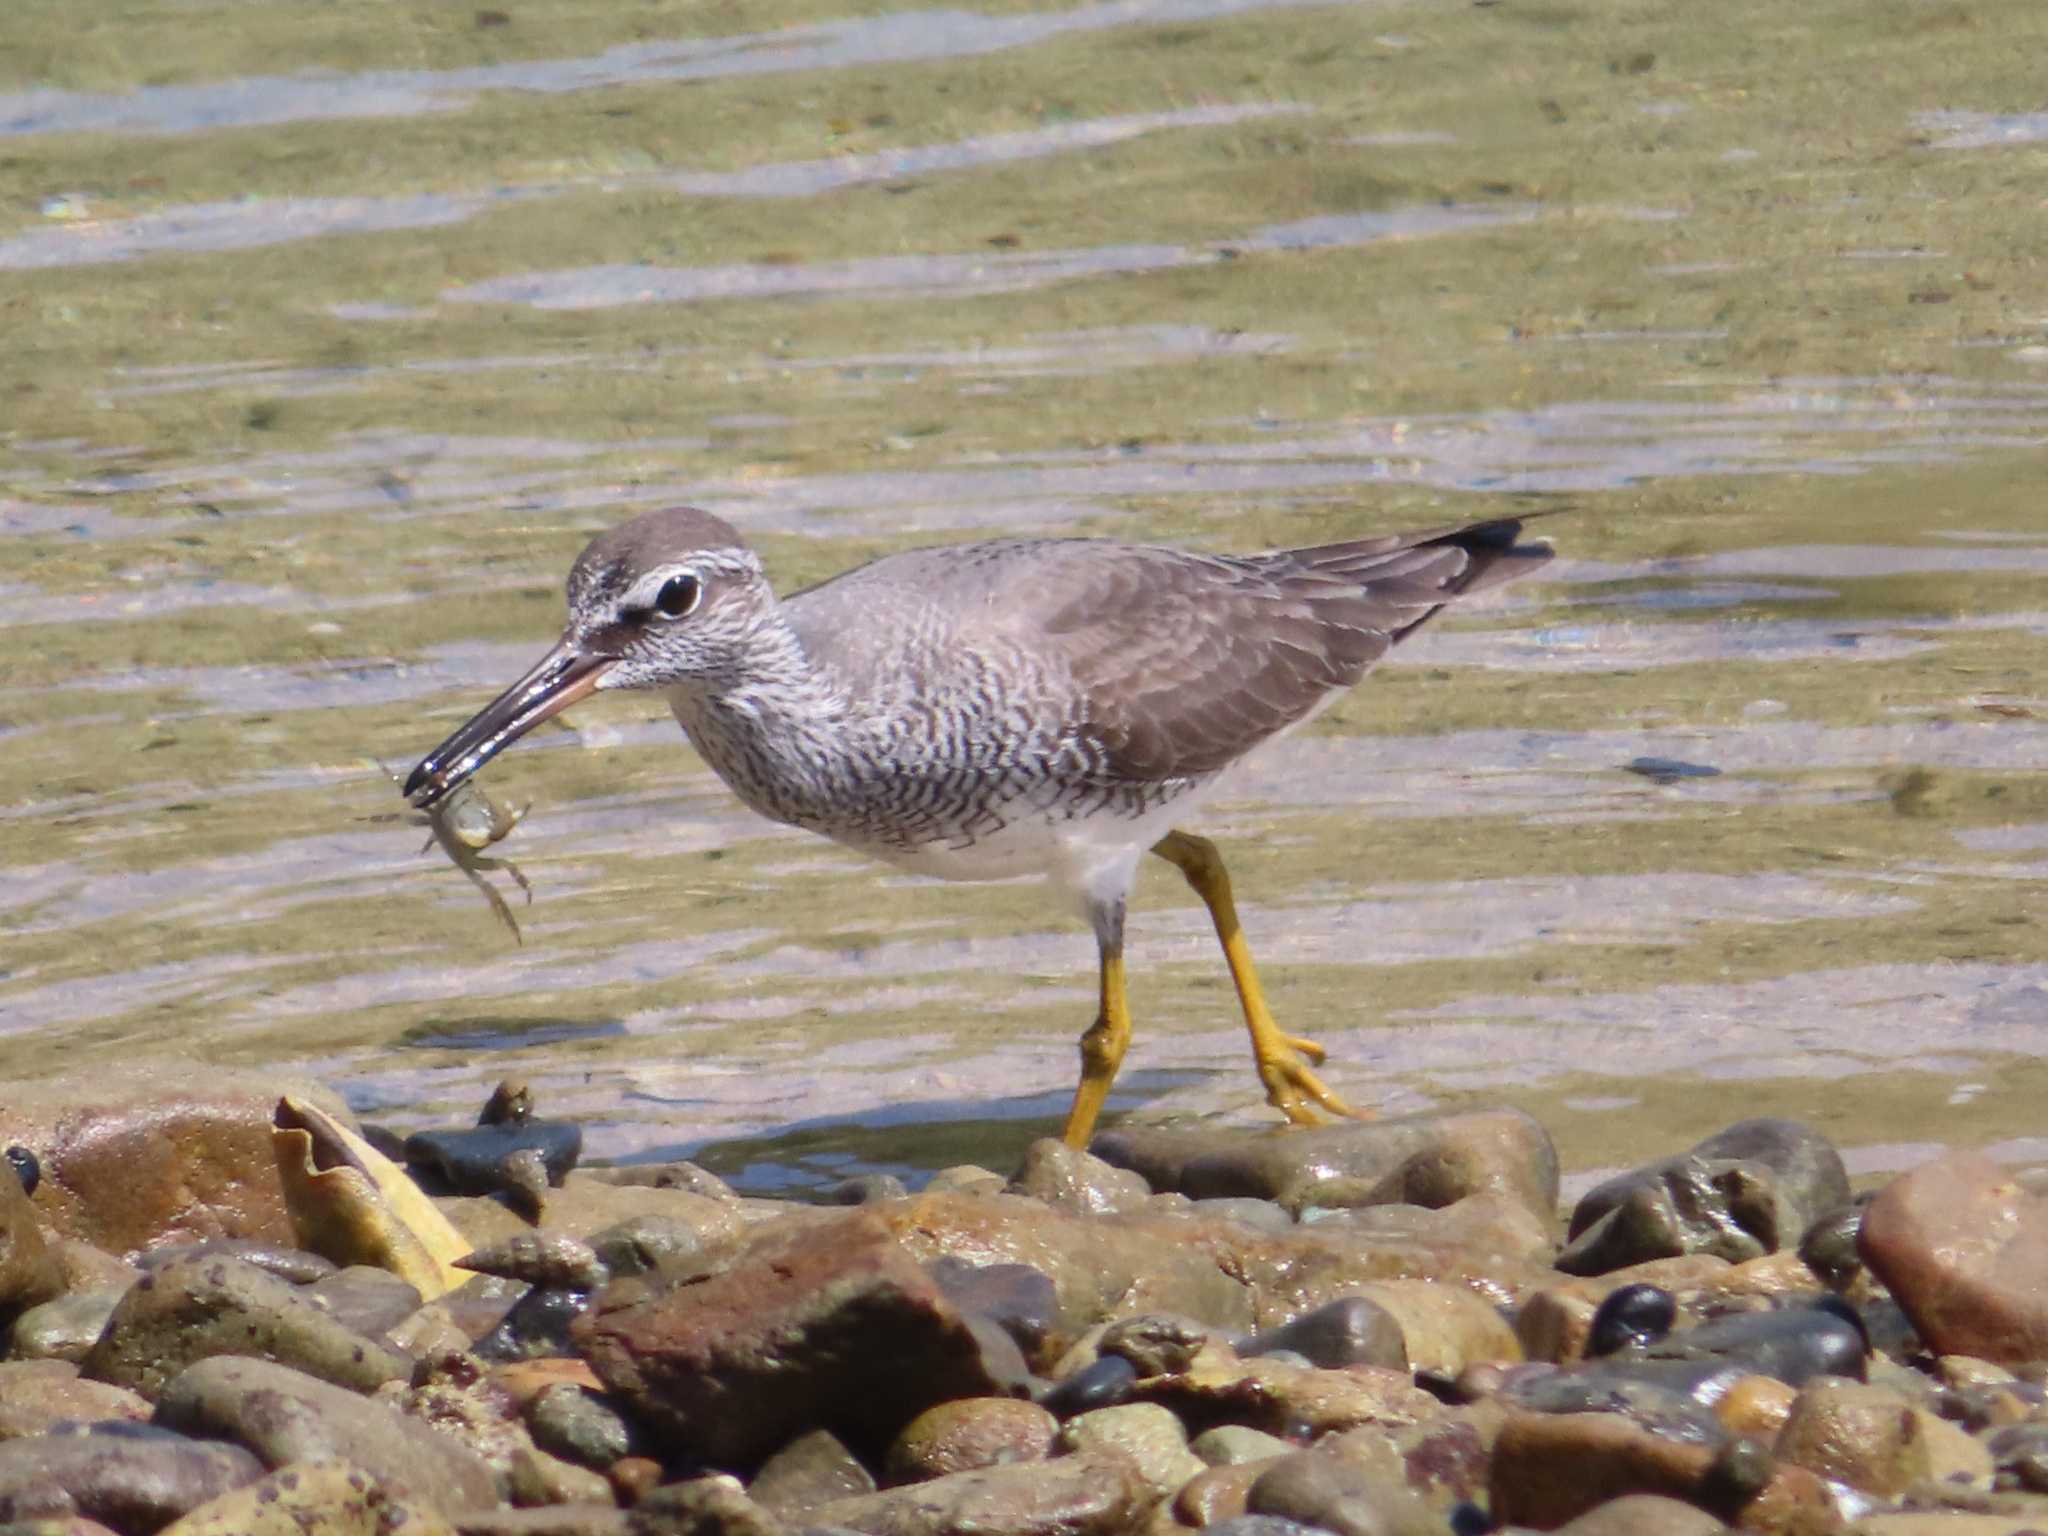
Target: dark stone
(1632,1314)
(470,1161)
(296,1265)
(285,1416)
(864,1189)
(2019,1453)
(538,1324)
(1828,1246)
(819,1321)
(1020,1300)
(1103,1383)
(1351,1330)
(1663,1398)
(1334,1493)
(576,1424)
(673,1175)
(1743,1192)
(510,1103)
(132,1482)
(1791,1345)
(26,1168)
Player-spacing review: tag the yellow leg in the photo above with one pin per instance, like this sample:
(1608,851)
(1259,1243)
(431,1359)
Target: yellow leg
(1102,1048)
(1291,1087)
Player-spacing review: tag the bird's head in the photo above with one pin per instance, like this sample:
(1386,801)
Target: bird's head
(669,598)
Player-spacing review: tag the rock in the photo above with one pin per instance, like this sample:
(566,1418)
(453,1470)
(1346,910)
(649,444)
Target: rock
(1333,1493)
(293,1264)
(1260,1525)
(586,1205)
(1556,1322)
(671,1175)
(328,1498)
(703,1506)
(654,1243)
(1756,1406)
(1244,1211)
(128,1476)
(36,1395)
(814,1469)
(1636,1315)
(368,1301)
(459,1397)
(64,1329)
(1746,1191)
(1075,1181)
(566,1420)
(1792,1345)
(1288,1399)
(1230,1445)
(161,1151)
(973,1432)
(471,1161)
(1643,1514)
(29,1271)
(1504,1231)
(195,1308)
(1352,1330)
(1020,1300)
(543,1258)
(1961,1245)
(1149,1437)
(864,1189)
(1220,1492)
(1551,1468)
(538,1325)
(89,1267)
(283,1416)
(1432,1160)
(1864,1436)
(536,1478)
(1156,1344)
(828,1324)
(965,1179)
(1101,1383)
(1077,1495)
(1444,1328)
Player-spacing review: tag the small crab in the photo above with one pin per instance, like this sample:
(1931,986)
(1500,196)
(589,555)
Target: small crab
(465,823)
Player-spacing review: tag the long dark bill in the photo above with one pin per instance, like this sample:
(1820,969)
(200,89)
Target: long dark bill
(557,680)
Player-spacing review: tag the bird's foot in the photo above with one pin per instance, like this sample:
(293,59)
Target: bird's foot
(1296,1091)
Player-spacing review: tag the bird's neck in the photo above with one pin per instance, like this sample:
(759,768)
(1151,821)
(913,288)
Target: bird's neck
(777,728)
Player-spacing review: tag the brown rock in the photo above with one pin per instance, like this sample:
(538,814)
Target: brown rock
(969,1433)
(286,1416)
(1219,1493)
(1864,1436)
(815,1469)
(1290,1399)
(1756,1406)
(331,1498)
(1150,1438)
(1551,1468)
(1341,1494)
(1643,1514)
(1504,1231)
(1428,1159)
(827,1323)
(1962,1246)
(157,1152)
(36,1394)
(29,1270)
(1445,1327)
(1067,1496)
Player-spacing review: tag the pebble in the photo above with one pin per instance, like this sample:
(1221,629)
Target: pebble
(1352,1330)
(972,1432)
(1100,1384)
(195,1307)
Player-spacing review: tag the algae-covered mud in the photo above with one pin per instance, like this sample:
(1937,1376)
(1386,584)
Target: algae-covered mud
(332,337)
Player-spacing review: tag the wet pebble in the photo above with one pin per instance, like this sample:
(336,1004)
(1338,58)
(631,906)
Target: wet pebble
(28,1170)
(63,1329)
(1106,1381)
(1352,1330)
(472,1161)
(1151,1438)
(538,1324)
(1333,1493)
(1155,1344)
(863,1189)
(128,1476)
(1632,1315)
(812,1470)
(578,1425)
(1071,1180)
(296,1265)
(369,1301)
(1018,1298)
(968,1433)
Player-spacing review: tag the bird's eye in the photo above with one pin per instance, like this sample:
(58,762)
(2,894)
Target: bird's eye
(678,597)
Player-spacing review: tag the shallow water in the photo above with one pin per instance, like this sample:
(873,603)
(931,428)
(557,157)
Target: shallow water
(332,342)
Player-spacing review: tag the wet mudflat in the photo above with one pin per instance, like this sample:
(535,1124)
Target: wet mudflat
(317,381)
